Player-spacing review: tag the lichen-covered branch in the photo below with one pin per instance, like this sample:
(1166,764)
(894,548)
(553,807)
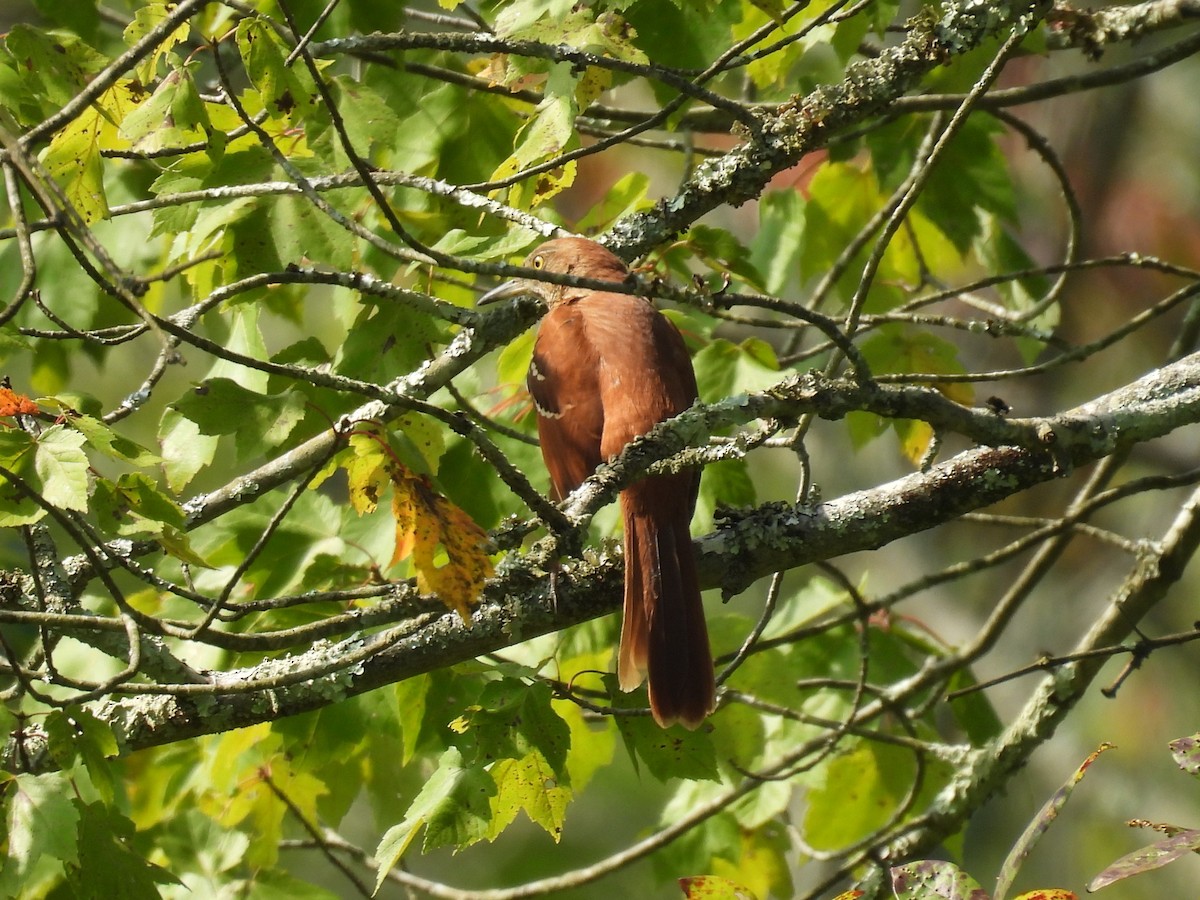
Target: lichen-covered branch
(773,537)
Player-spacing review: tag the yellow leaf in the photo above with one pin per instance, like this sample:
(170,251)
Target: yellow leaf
(773,8)
(426,436)
(367,471)
(145,21)
(73,159)
(713,887)
(915,438)
(761,868)
(592,84)
(447,548)
(960,393)
(528,784)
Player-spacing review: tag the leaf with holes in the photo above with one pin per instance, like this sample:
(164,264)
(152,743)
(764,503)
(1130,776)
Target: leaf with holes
(447,548)
(713,887)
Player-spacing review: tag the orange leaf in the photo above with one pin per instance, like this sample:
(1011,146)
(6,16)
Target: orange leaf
(427,522)
(14,404)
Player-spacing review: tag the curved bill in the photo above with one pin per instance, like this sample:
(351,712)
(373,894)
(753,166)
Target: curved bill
(506,291)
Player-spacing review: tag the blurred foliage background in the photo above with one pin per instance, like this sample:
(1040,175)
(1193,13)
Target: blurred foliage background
(286,317)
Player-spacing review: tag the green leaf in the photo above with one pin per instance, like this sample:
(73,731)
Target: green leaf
(453,806)
(973,711)
(76,733)
(896,348)
(134,504)
(512,719)
(283,93)
(933,878)
(474,485)
(627,196)
(684,35)
(173,116)
(724,368)
(62,467)
(308,534)
(203,852)
(668,753)
(333,744)
(387,338)
(771,70)
(814,599)
(725,483)
(739,735)
(102,438)
(57,66)
(900,349)
(775,251)
(515,725)
(13,342)
(763,863)
(272,884)
(245,337)
(42,821)
(1001,252)
(259,422)
(145,20)
(107,867)
(723,252)
(700,848)
(545,135)
(773,8)
(428,123)
(410,707)
(254,803)
(973,158)
(532,785)
(861,789)
(17,449)
(81,17)
(513,362)
(185,450)
(301,233)
(370,122)
(591,747)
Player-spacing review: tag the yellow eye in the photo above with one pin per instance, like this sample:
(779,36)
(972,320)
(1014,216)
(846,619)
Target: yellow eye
(538,261)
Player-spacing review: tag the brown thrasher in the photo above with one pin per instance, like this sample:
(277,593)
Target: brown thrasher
(606,369)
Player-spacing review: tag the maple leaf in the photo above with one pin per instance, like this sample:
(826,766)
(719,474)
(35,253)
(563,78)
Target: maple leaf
(426,522)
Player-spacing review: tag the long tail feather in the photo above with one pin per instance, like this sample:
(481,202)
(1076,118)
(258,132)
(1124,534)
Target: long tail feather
(663,634)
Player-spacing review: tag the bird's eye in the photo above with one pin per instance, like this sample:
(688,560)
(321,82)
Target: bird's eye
(538,262)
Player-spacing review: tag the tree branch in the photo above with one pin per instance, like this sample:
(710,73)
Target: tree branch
(773,537)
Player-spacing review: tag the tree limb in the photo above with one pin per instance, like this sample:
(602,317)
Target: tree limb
(774,537)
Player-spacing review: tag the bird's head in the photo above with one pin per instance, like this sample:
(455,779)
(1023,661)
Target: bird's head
(562,256)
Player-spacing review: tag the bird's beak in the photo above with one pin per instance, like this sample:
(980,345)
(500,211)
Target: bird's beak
(506,291)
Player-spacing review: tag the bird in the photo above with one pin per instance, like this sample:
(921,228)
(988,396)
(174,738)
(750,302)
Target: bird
(607,367)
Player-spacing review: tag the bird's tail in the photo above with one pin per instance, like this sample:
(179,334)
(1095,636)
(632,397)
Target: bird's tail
(663,634)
